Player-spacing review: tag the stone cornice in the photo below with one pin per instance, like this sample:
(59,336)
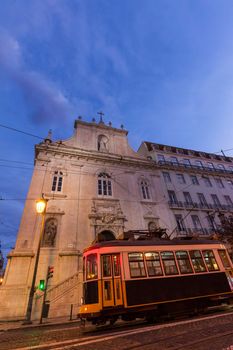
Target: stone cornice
(94,155)
(70,253)
(23,254)
(124,160)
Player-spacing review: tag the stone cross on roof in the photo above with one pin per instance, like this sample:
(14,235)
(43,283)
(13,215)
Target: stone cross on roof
(101,117)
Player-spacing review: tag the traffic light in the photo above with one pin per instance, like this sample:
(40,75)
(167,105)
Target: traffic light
(50,271)
(42,285)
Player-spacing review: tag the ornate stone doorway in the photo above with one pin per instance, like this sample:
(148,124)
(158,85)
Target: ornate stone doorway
(105,235)
(106,219)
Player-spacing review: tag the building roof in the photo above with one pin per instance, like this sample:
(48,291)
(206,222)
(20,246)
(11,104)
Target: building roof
(185,151)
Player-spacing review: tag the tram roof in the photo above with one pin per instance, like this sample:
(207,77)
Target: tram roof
(159,242)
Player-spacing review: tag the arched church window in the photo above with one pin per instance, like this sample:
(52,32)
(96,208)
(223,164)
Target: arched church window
(145,189)
(57,181)
(104,185)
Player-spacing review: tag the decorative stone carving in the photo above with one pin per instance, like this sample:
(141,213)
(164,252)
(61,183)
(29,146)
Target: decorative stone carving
(152,226)
(50,232)
(102,143)
(106,215)
(108,218)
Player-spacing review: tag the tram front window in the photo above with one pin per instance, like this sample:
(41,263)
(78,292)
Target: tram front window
(224,258)
(91,268)
(106,265)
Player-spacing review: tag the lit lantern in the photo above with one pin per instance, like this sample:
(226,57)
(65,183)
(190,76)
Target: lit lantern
(41,206)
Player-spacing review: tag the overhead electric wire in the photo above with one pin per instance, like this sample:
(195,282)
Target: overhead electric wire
(21,131)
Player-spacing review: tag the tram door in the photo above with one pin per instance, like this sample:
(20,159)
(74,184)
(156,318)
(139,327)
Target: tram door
(111,280)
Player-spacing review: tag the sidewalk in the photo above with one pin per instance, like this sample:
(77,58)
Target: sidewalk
(11,325)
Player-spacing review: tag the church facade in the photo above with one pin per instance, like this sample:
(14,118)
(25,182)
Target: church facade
(97,186)
(94,184)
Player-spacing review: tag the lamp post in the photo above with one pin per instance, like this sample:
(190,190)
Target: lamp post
(41,205)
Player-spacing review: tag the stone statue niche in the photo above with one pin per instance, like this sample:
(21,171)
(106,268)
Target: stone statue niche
(102,143)
(50,232)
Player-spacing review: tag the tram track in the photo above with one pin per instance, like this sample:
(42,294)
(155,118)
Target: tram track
(172,336)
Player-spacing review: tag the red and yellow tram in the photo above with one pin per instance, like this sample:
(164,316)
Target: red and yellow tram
(146,279)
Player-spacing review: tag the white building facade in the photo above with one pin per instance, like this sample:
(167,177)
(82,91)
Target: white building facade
(198,188)
(97,186)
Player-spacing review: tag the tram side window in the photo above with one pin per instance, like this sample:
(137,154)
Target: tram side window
(169,263)
(197,261)
(224,258)
(153,264)
(210,260)
(106,263)
(91,268)
(136,265)
(183,262)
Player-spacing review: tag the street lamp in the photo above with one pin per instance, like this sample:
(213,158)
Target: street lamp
(41,205)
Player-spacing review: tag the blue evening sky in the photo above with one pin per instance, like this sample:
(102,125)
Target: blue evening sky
(162,68)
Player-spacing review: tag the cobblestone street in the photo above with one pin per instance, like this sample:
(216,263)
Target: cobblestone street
(211,332)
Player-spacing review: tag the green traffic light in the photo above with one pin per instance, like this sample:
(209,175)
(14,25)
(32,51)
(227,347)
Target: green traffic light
(42,285)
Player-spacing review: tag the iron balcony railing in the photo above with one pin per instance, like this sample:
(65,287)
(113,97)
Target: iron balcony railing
(195,231)
(204,206)
(194,167)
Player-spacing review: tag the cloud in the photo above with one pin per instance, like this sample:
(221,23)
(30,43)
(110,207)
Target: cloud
(45,99)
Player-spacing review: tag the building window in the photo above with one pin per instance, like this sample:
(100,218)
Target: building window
(211,222)
(202,199)
(161,158)
(174,160)
(230,184)
(145,189)
(57,181)
(172,196)
(166,177)
(136,265)
(219,183)
(207,181)
(228,200)
(221,167)
(180,178)
(188,198)
(183,262)
(215,200)
(196,222)
(194,180)
(198,163)
(186,162)
(104,185)
(210,165)
(179,222)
